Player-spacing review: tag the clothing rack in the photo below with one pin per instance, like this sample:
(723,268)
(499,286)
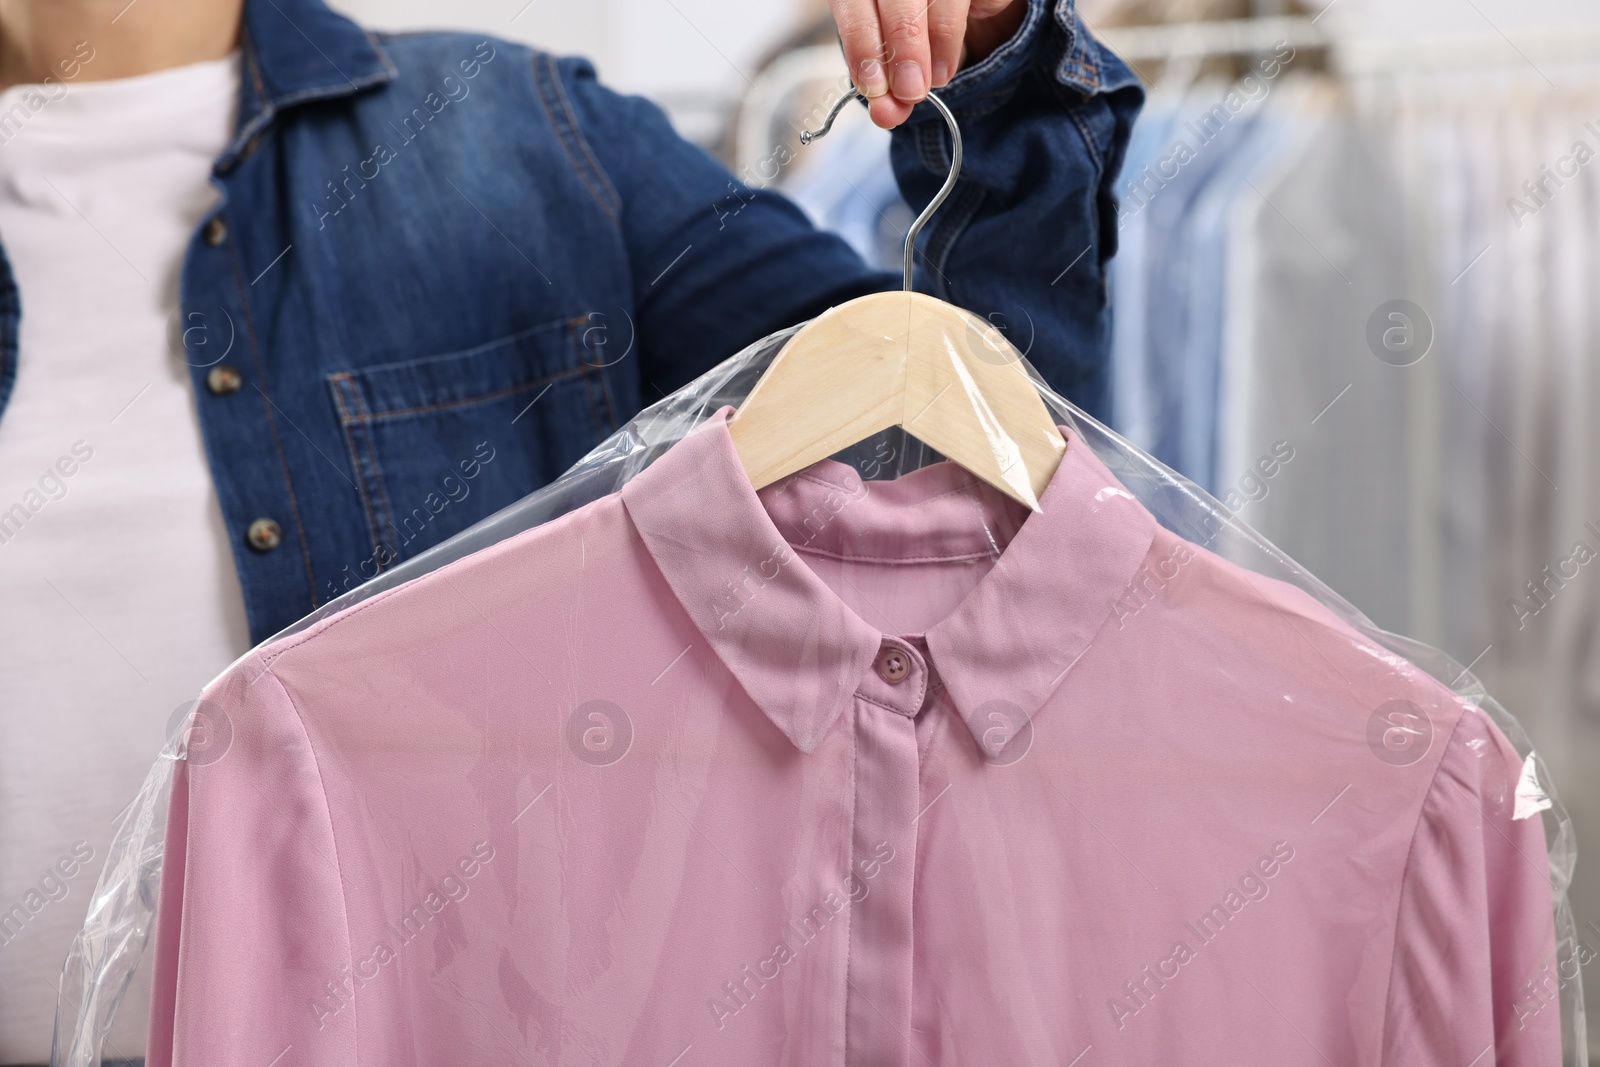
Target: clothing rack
(1222,37)
(1545,47)
(1351,55)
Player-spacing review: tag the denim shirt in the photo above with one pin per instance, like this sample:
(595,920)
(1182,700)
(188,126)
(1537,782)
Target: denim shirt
(442,267)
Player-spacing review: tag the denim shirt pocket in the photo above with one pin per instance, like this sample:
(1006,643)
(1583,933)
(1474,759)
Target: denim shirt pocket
(439,442)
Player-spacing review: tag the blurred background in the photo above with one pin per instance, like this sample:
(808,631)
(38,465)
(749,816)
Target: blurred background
(1357,251)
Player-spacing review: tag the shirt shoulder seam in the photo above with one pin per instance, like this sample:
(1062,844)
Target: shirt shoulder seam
(277,649)
(1405,880)
(333,836)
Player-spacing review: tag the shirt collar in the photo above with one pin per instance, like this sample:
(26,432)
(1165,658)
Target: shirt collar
(800,652)
(296,51)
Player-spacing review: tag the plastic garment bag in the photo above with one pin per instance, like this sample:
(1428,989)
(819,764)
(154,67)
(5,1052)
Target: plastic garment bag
(1117,781)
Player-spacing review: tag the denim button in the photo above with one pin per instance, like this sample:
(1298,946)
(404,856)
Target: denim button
(223,379)
(264,535)
(216,231)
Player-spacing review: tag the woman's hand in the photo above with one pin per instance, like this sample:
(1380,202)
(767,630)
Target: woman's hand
(899,49)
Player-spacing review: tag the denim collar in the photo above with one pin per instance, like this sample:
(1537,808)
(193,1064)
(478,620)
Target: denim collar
(800,652)
(294,51)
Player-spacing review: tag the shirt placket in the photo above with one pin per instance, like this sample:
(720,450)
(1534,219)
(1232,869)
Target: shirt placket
(883,858)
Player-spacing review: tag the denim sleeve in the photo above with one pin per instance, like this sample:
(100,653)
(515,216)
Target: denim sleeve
(1022,240)
(1025,237)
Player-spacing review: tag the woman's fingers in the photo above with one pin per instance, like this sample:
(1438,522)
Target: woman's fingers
(947,28)
(904,26)
(863,45)
(900,49)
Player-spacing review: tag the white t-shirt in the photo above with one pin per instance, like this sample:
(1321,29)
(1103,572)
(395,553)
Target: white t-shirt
(118,597)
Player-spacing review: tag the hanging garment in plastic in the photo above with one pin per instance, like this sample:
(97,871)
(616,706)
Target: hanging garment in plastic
(656,768)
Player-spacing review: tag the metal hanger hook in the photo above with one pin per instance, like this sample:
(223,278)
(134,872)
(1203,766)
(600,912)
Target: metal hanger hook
(807,136)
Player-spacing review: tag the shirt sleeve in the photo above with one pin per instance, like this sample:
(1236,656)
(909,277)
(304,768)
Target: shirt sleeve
(252,948)
(1022,241)
(1474,966)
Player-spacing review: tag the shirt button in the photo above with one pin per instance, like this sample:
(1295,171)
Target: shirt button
(893,665)
(223,379)
(216,231)
(264,535)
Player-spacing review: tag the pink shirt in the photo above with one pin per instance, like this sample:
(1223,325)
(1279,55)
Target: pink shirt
(697,775)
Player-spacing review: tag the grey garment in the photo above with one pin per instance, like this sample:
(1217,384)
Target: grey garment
(1187,406)
(1134,392)
(1447,498)
(1320,250)
(1526,403)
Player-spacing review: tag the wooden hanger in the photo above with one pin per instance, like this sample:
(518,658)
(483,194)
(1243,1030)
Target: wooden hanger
(904,359)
